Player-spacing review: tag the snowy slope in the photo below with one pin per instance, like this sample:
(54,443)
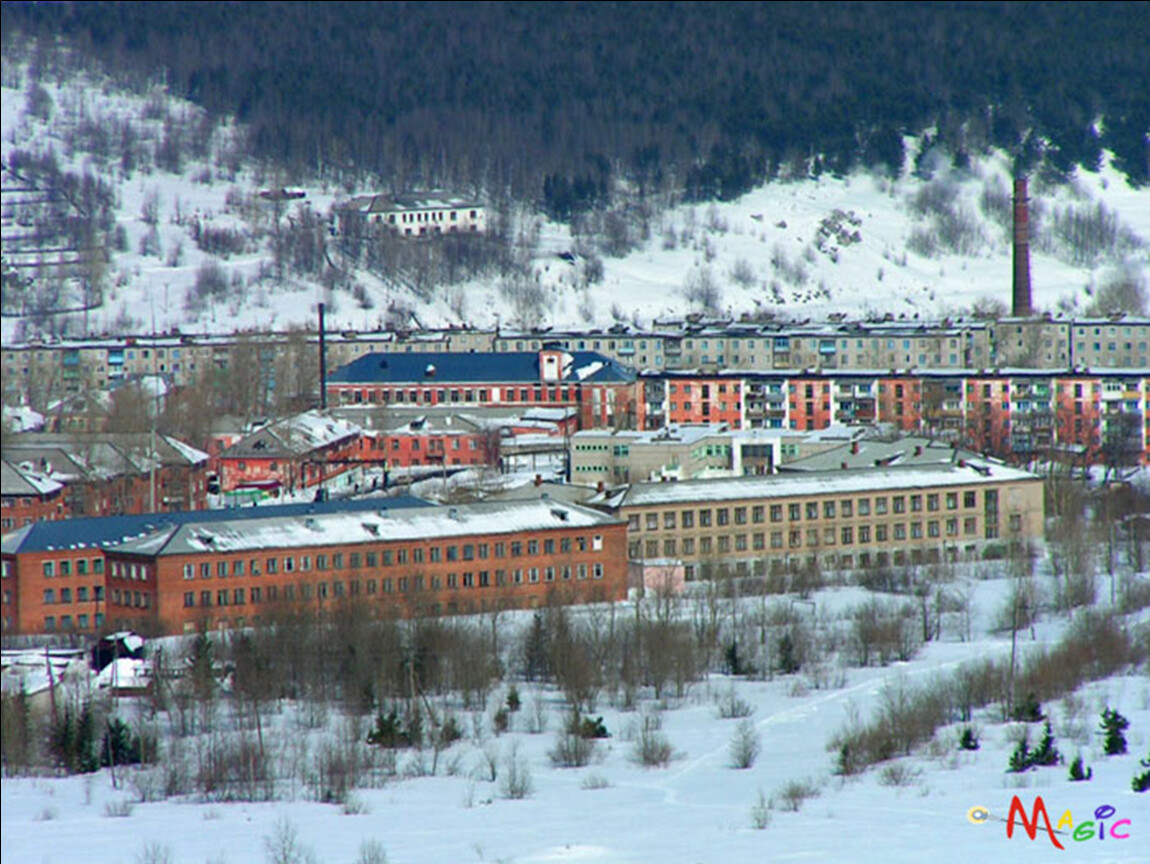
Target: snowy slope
(801,248)
(696,809)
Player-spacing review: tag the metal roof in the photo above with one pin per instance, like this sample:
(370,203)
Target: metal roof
(803,484)
(304,531)
(104,531)
(446,368)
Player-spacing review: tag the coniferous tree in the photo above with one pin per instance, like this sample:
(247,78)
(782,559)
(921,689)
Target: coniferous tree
(788,659)
(1046,753)
(1020,758)
(1113,726)
(1079,773)
(968,740)
(1141,782)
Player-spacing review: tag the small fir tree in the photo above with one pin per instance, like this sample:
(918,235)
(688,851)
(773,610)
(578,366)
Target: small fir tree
(514,703)
(1079,773)
(788,661)
(1029,710)
(1113,725)
(1046,753)
(120,746)
(968,740)
(1020,758)
(1141,782)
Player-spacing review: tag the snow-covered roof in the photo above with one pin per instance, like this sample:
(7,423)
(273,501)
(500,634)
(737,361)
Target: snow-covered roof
(869,452)
(23,418)
(489,367)
(20,481)
(383,203)
(294,436)
(686,434)
(105,532)
(818,483)
(351,528)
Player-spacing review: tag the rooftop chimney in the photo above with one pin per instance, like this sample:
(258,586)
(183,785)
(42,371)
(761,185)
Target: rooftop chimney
(1022,304)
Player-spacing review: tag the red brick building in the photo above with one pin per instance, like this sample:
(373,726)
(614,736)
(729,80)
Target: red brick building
(809,400)
(293,453)
(227,568)
(112,474)
(600,388)
(408,561)
(698,400)
(27,496)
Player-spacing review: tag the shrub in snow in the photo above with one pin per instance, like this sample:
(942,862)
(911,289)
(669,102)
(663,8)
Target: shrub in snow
(371,852)
(571,750)
(745,746)
(794,793)
(761,811)
(652,749)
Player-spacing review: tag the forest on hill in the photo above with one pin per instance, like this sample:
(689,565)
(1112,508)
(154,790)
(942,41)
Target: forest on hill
(559,103)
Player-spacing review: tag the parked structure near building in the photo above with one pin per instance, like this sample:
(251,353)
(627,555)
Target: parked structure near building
(831,519)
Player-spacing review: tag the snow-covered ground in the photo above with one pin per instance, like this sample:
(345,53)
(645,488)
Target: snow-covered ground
(800,248)
(698,808)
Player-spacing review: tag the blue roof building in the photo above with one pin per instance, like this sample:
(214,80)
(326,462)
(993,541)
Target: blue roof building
(602,388)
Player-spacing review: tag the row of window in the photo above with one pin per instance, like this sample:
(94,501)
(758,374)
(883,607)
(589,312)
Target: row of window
(795,538)
(812,510)
(400,585)
(68,623)
(389,557)
(65,595)
(444,396)
(68,566)
(131,599)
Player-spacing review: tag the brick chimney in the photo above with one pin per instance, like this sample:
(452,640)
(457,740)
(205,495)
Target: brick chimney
(1023,307)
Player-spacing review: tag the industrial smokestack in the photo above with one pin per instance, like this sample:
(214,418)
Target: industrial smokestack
(322,361)
(1022,305)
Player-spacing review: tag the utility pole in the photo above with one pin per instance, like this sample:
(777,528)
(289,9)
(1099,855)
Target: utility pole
(322,360)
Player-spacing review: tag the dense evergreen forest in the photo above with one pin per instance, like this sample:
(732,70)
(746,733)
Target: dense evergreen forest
(557,103)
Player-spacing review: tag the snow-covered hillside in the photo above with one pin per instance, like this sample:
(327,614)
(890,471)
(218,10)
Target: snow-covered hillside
(925,244)
(788,805)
